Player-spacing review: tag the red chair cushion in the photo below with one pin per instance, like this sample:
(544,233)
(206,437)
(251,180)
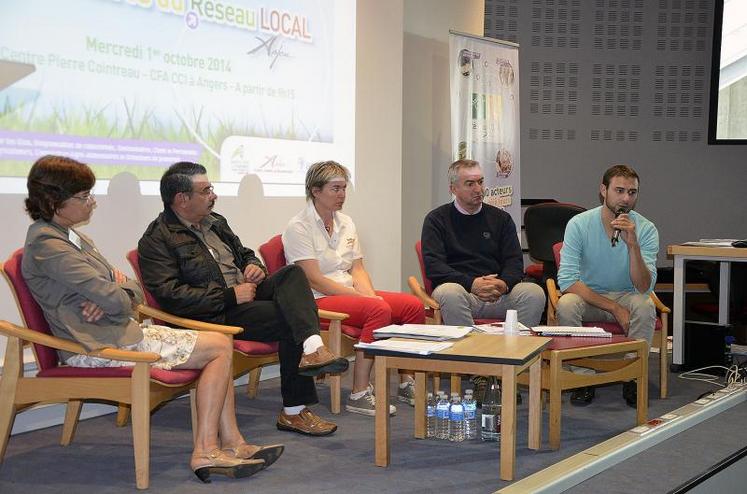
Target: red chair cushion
(33,316)
(351,331)
(273,254)
(255,347)
(535,271)
(170,377)
(426,282)
(615,328)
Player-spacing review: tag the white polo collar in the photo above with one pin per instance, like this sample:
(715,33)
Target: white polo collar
(464,211)
(319,221)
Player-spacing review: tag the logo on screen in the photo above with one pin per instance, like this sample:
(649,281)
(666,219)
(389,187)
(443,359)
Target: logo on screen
(271,48)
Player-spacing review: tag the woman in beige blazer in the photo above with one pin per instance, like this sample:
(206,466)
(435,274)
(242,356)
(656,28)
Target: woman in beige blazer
(87,300)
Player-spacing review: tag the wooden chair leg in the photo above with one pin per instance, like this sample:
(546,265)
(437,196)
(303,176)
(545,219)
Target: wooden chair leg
(555,390)
(456,384)
(664,357)
(335,380)
(141,423)
(253,385)
(72,414)
(12,373)
(193,413)
(123,414)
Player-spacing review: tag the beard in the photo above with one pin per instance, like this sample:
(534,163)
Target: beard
(617,207)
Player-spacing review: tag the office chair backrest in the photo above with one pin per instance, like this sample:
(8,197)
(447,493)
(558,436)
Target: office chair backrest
(545,225)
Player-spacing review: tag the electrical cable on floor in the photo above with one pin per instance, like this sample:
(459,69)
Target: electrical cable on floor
(732,374)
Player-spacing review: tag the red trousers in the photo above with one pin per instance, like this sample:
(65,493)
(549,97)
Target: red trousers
(370,313)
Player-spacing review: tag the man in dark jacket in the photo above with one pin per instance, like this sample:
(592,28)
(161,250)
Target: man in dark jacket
(473,258)
(196,267)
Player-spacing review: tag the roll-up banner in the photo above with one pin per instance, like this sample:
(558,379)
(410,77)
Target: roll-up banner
(485,114)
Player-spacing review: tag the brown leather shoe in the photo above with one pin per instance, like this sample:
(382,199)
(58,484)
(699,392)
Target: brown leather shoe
(306,422)
(322,360)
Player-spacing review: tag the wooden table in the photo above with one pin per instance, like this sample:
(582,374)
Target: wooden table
(682,253)
(481,354)
(586,352)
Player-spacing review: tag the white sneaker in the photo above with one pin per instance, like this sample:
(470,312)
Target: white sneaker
(366,404)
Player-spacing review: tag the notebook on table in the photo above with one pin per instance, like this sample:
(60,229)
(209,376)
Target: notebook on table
(586,332)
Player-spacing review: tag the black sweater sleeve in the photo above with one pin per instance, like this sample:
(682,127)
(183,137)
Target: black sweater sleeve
(433,242)
(512,260)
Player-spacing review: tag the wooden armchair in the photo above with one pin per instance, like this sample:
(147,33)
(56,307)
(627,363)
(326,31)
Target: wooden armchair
(140,386)
(339,337)
(248,357)
(661,329)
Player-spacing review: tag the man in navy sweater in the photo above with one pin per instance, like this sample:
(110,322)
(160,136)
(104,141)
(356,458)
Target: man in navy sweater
(473,258)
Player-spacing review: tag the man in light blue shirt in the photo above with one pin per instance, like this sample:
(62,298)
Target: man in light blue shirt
(608,267)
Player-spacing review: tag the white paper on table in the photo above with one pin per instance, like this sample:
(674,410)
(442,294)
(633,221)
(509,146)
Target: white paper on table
(436,332)
(418,347)
(497,328)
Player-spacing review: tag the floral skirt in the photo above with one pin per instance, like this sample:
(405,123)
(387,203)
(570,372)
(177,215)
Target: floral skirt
(173,345)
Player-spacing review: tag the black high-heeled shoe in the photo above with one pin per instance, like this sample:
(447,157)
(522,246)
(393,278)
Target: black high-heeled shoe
(269,453)
(221,463)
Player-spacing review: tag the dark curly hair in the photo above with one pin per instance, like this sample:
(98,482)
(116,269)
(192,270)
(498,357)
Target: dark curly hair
(52,180)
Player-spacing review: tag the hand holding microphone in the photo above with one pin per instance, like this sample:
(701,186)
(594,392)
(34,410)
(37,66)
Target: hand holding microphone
(616,233)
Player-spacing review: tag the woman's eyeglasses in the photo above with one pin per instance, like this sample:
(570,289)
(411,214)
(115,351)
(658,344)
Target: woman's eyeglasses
(86,197)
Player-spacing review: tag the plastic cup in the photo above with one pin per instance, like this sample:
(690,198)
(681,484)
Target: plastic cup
(510,325)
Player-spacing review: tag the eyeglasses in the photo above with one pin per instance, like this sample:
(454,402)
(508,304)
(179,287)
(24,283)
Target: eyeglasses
(204,192)
(86,197)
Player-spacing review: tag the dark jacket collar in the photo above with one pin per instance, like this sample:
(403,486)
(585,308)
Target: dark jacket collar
(172,222)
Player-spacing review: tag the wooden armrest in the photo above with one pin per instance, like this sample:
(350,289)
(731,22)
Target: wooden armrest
(183,322)
(419,292)
(659,305)
(553,294)
(125,355)
(332,316)
(25,334)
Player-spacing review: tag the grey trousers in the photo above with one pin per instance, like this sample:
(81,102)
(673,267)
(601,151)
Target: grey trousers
(460,308)
(572,310)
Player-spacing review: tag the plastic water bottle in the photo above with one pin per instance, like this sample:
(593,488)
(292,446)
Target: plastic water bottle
(456,419)
(491,411)
(430,417)
(470,416)
(442,417)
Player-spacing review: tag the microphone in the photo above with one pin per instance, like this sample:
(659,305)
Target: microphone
(616,234)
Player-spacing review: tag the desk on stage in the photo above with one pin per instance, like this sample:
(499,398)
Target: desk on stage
(681,253)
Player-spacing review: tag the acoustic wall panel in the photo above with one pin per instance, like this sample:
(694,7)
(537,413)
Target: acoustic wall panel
(610,81)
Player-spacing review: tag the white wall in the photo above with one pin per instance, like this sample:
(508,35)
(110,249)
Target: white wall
(426,127)
(375,204)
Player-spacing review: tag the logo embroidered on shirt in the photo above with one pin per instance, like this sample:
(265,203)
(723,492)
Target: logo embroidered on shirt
(350,242)
(486,235)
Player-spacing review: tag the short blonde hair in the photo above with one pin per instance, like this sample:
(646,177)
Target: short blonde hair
(321,173)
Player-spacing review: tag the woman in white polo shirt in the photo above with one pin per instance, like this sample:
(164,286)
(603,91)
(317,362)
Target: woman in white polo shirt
(324,243)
